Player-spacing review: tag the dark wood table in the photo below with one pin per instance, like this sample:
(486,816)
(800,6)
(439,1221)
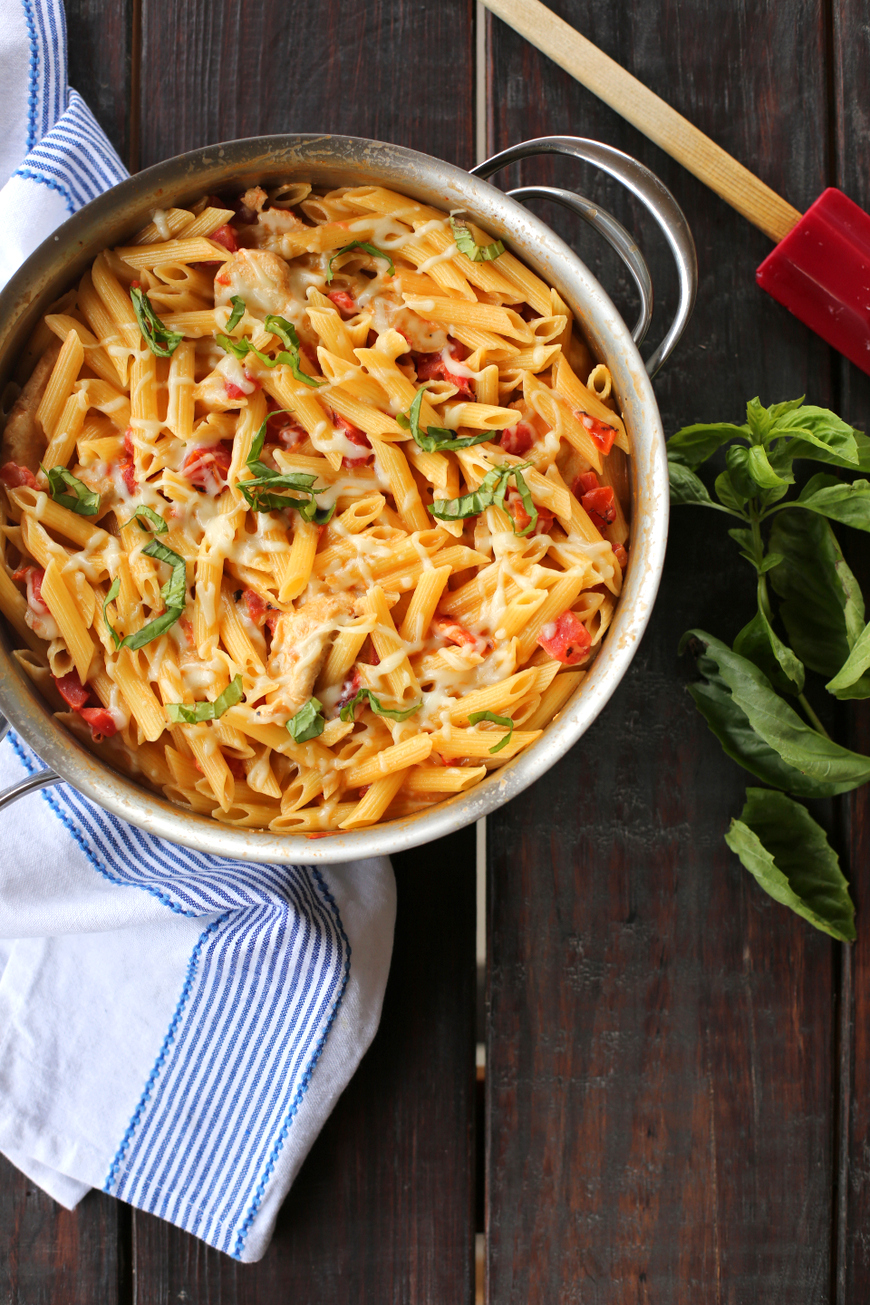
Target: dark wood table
(677,1094)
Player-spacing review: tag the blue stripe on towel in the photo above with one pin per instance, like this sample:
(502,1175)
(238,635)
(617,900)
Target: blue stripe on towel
(262,989)
(74,157)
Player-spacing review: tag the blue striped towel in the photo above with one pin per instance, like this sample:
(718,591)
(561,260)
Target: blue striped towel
(174,1028)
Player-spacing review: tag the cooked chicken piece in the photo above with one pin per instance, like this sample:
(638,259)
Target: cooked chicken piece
(260,277)
(24,440)
(254,199)
(300,643)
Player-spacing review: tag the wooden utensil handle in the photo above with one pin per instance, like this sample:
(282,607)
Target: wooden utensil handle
(657,120)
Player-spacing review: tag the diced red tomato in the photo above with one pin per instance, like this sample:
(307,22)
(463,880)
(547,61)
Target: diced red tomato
(521,518)
(72,690)
(445,627)
(226,236)
(584,483)
(101,721)
(33,577)
(343,302)
(75,694)
(602,434)
(15,477)
(126,464)
(566,639)
(349,689)
(273,616)
(600,504)
(208,466)
(283,428)
(356,436)
(621,555)
(436,366)
(256,607)
(223,279)
(233,391)
(517,439)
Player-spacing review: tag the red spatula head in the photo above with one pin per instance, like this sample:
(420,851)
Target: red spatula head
(821,272)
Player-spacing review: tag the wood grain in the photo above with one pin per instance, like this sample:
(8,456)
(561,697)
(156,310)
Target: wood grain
(383,1207)
(101,63)
(51,1256)
(661,1076)
(851,124)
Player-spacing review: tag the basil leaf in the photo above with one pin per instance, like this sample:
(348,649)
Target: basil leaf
(348,709)
(779,843)
(819,427)
(743,482)
(114,589)
(288,357)
(816,452)
(173,593)
(239,308)
(489,493)
(851,680)
(727,495)
(686,487)
(308,723)
(259,491)
(820,760)
(477,716)
(822,608)
(193,713)
(772,560)
(466,244)
(759,643)
(436,438)
(829,497)
(526,496)
(358,244)
(759,419)
(84,501)
(695,444)
(160,340)
(155,521)
(240,348)
(759,468)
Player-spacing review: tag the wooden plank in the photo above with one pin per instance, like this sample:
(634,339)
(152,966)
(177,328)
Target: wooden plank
(388,1188)
(660,1069)
(391,70)
(52,1256)
(383,1207)
(101,41)
(851,123)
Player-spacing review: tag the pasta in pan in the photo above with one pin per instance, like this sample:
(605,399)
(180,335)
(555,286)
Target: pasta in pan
(311,519)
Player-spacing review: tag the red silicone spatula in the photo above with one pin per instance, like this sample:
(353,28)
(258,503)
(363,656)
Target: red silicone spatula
(820,268)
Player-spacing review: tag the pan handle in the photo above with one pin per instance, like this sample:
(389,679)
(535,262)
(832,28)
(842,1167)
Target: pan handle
(42,779)
(646,187)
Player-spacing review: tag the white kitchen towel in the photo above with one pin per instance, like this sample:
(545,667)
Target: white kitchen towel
(174,1028)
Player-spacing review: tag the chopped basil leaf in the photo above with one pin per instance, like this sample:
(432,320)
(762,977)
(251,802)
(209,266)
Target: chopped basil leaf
(348,709)
(489,493)
(259,491)
(160,340)
(154,520)
(289,355)
(308,723)
(358,244)
(173,594)
(466,244)
(477,716)
(193,713)
(82,500)
(436,438)
(238,312)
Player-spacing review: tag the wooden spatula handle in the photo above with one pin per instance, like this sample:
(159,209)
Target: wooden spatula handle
(657,120)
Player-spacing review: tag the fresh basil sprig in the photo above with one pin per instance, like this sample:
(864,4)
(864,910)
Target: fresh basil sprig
(490,493)
(80,499)
(173,593)
(466,244)
(394,713)
(436,438)
(160,340)
(308,723)
(239,309)
(288,356)
(152,519)
(505,721)
(752,695)
(358,244)
(194,713)
(260,492)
